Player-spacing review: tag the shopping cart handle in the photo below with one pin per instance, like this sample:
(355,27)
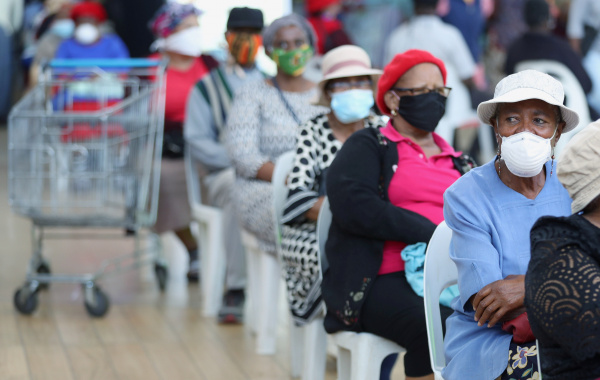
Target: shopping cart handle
(102,63)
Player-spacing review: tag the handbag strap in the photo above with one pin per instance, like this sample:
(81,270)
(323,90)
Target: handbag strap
(285,102)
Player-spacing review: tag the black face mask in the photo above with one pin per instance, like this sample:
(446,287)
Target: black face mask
(423,111)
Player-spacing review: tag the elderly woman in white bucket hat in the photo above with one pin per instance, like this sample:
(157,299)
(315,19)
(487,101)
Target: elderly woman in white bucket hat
(491,211)
(347,87)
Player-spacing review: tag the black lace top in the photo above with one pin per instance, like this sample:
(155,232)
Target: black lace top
(562,296)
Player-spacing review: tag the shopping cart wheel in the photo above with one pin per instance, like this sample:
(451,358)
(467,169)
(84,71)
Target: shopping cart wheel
(43,268)
(26,299)
(162,274)
(96,302)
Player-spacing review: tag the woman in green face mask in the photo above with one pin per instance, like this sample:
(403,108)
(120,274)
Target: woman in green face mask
(264,120)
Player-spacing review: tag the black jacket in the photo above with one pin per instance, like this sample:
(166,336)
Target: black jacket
(363,219)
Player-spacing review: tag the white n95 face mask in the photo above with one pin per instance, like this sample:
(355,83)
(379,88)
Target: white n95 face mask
(186,42)
(87,33)
(525,153)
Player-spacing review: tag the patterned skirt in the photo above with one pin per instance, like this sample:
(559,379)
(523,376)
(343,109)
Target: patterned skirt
(301,271)
(522,362)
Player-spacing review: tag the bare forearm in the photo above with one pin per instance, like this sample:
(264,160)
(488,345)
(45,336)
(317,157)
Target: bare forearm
(265,172)
(575,44)
(313,212)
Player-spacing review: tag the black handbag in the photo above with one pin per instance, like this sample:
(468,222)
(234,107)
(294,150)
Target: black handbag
(173,141)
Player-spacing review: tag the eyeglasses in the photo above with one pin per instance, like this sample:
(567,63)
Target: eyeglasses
(444,91)
(345,86)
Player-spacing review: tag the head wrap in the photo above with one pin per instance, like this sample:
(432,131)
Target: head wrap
(88,9)
(169,16)
(292,19)
(399,65)
(315,6)
(245,18)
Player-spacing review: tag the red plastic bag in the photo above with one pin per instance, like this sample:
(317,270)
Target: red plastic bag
(519,328)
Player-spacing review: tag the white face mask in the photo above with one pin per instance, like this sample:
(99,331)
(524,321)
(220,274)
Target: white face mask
(186,42)
(525,153)
(87,33)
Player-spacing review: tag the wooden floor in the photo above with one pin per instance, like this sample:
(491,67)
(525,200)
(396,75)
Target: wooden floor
(145,335)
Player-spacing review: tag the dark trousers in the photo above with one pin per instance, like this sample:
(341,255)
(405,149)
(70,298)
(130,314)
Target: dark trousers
(394,311)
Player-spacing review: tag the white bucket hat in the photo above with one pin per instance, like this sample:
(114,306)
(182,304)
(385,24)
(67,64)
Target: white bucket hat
(525,85)
(343,62)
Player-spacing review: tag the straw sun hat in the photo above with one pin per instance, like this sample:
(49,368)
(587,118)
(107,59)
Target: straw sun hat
(525,85)
(343,62)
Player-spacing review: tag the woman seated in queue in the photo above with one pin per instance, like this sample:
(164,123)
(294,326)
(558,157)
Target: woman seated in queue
(562,285)
(385,189)
(491,211)
(263,122)
(347,87)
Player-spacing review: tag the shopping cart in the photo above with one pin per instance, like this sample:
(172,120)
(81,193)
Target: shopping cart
(84,151)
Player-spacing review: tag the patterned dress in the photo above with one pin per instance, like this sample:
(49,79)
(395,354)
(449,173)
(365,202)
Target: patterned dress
(259,129)
(315,150)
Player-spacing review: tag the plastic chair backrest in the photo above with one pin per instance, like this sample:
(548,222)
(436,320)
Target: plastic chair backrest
(283,166)
(323,223)
(575,97)
(440,272)
(194,189)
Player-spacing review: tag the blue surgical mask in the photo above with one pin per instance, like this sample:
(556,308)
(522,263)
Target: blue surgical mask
(352,105)
(63,28)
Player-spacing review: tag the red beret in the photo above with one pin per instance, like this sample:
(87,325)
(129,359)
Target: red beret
(400,65)
(313,6)
(88,9)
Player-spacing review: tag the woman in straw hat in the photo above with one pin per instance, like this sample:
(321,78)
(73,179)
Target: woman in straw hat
(385,191)
(491,211)
(562,285)
(347,87)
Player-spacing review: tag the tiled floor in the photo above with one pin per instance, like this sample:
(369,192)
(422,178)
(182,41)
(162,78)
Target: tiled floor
(145,335)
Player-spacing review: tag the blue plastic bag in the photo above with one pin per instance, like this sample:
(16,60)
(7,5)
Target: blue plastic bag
(414,258)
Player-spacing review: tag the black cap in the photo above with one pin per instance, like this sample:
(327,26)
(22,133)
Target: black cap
(245,18)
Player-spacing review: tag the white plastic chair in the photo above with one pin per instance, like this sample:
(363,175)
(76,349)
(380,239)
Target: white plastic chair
(212,251)
(264,281)
(309,343)
(440,273)
(575,97)
(359,354)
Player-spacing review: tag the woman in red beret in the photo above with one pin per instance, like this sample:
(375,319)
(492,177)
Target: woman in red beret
(88,41)
(385,189)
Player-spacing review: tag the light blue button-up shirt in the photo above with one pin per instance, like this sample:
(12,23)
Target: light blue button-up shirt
(491,225)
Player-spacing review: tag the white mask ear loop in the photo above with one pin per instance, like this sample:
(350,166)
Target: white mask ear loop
(552,156)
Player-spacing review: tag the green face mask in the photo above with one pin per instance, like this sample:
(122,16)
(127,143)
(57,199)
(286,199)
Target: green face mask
(294,61)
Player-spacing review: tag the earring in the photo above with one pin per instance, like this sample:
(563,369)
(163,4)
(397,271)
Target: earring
(552,164)
(394,113)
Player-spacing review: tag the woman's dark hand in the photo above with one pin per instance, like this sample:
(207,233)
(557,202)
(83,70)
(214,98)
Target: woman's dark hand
(499,301)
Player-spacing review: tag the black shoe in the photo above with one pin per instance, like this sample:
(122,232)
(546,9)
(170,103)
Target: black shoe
(193,274)
(232,310)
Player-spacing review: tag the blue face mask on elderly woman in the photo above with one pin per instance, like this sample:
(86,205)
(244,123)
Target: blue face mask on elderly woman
(352,105)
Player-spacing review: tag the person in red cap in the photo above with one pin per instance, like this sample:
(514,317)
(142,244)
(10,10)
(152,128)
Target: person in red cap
(88,41)
(385,189)
(323,16)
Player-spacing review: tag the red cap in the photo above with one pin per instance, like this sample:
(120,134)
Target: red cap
(88,9)
(400,65)
(313,6)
